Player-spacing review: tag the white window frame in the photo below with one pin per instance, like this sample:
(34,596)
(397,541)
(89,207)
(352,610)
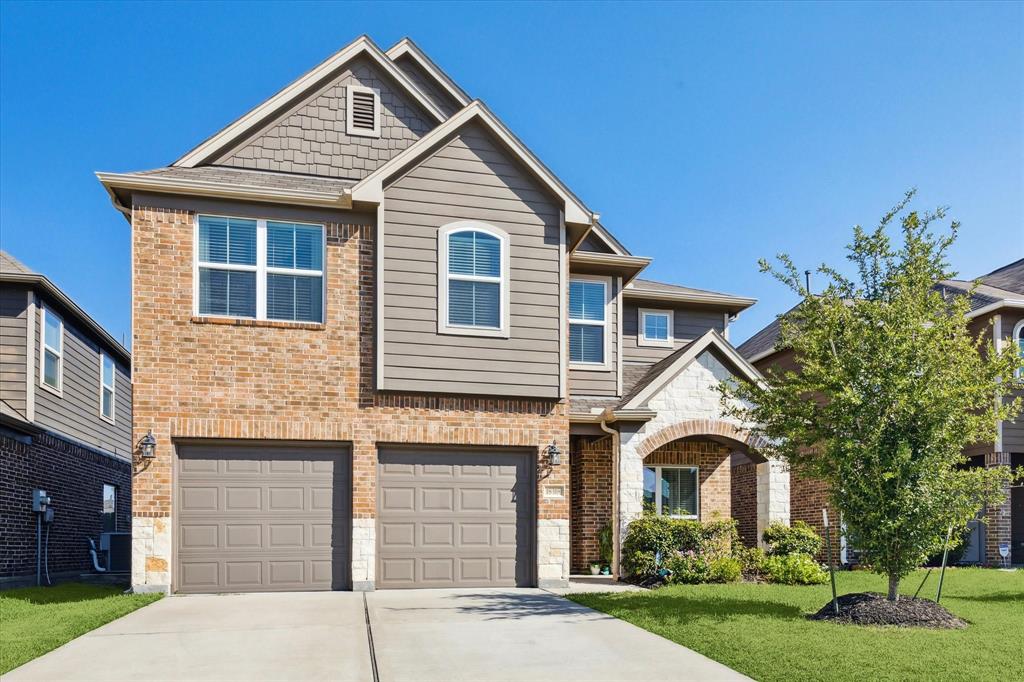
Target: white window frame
(1017,337)
(350,127)
(443,277)
(642,339)
(657,488)
(45,311)
(607,282)
(261,269)
(113,389)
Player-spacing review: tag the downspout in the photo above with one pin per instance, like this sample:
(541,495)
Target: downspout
(616,521)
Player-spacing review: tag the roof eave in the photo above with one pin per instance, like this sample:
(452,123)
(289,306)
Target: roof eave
(737,303)
(629,266)
(406,46)
(992,307)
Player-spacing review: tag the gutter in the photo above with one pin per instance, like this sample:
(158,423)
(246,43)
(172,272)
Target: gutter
(739,302)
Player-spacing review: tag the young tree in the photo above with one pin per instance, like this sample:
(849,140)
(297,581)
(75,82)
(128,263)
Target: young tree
(892,386)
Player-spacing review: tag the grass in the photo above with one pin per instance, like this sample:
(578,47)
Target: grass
(762,630)
(34,620)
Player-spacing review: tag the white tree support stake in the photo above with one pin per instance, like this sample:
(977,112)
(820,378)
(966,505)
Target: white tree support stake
(831,568)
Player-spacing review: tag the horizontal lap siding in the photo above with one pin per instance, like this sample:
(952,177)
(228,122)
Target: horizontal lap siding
(76,412)
(13,357)
(1013,431)
(601,382)
(688,324)
(470,178)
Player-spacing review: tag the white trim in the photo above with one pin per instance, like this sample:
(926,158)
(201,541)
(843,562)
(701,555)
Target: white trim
(563,311)
(113,389)
(725,325)
(350,128)
(1017,336)
(444,276)
(311,79)
(261,269)
(59,352)
(641,337)
(619,313)
(378,247)
(406,46)
(708,298)
(606,282)
(30,356)
(1005,303)
(658,468)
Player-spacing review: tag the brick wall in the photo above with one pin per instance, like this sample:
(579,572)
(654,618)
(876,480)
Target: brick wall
(807,498)
(203,378)
(73,476)
(744,502)
(592,493)
(713,469)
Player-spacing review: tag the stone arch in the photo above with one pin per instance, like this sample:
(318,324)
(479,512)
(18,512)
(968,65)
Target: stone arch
(709,428)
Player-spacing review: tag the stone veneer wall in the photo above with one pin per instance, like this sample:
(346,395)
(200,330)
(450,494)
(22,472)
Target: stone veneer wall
(213,378)
(592,493)
(744,502)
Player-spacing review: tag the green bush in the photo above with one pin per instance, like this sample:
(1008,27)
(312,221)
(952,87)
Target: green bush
(794,569)
(651,534)
(799,538)
(751,561)
(688,568)
(724,569)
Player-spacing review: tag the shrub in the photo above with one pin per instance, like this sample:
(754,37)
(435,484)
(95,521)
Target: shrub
(688,568)
(724,569)
(751,561)
(650,535)
(794,569)
(799,538)
(604,541)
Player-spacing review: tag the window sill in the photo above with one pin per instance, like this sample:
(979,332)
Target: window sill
(589,367)
(644,343)
(244,322)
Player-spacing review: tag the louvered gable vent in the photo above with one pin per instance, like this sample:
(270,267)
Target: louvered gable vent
(363,114)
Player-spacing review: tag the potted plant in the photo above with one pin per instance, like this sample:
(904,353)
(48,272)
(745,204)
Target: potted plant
(595,567)
(604,541)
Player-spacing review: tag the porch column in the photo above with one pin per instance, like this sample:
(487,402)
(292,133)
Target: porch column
(772,495)
(631,481)
(997,517)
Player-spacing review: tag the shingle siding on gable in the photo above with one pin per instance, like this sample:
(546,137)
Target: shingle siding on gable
(13,365)
(312,139)
(425,83)
(470,177)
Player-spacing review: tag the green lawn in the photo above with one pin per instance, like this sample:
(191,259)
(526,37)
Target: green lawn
(762,630)
(34,620)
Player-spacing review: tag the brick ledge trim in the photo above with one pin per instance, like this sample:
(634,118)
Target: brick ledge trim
(243,322)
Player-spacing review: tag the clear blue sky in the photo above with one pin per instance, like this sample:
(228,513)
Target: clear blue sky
(707,136)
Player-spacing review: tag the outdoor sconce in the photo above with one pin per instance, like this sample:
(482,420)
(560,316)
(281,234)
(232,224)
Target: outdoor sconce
(147,446)
(554,455)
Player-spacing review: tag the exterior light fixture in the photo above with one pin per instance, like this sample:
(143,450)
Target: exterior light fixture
(554,455)
(147,446)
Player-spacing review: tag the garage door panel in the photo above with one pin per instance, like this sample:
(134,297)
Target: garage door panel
(262,518)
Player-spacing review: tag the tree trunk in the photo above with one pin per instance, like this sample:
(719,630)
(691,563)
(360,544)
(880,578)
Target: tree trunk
(894,586)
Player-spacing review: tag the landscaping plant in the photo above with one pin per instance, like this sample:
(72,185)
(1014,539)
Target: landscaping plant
(893,385)
(793,569)
(798,538)
(651,536)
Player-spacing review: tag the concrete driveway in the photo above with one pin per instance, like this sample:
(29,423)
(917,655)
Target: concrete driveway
(422,635)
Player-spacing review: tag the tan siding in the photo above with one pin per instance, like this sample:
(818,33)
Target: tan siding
(470,178)
(601,382)
(688,324)
(311,139)
(13,358)
(437,96)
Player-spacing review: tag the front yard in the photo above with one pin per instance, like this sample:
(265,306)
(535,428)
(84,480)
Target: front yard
(762,630)
(34,620)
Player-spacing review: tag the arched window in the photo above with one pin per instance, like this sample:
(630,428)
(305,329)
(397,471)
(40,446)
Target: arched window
(473,279)
(1018,340)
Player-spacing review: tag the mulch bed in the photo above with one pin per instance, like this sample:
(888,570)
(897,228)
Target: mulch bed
(871,608)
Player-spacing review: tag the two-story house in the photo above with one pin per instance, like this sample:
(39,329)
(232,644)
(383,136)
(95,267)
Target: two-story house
(65,428)
(997,308)
(381,345)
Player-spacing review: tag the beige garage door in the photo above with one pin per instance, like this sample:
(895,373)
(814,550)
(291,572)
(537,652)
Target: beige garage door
(455,518)
(261,518)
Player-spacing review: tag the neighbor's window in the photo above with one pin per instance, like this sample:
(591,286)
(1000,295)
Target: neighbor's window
(474,261)
(671,491)
(587,320)
(109,509)
(52,351)
(655,328)
(107,375)
(1018,337)
(261,269)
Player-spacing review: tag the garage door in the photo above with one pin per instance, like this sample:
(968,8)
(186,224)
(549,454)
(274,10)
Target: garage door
(455,518)
(261,518)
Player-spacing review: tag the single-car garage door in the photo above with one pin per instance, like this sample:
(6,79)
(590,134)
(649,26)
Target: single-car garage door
(455,518)
(261,518)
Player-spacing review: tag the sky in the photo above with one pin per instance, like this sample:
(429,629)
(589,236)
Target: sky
(706,135)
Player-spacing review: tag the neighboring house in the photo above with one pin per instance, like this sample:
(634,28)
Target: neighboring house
(997,308)
(65,426)
(381,345)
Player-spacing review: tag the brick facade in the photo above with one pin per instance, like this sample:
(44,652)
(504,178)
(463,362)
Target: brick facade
(73,476)
(592,496)
(807,498)
(258,380)
(998,518)
(744,502)
(714,470)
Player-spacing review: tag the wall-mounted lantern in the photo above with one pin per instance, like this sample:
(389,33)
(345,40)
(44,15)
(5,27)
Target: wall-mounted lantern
(147,446)
(554,454)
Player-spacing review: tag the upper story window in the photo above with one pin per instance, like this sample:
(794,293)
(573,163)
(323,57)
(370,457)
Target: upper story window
(655,328)
(107,387)
(1018,339)
(362,111)
(473,269)
(672,491)
(51,370)
(588,305)
(260,269)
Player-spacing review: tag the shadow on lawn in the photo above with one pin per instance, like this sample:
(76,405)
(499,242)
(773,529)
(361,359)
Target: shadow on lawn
(995,597)
(688,608)
(66,593)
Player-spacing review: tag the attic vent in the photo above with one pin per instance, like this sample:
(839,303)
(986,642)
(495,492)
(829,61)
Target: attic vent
(363,115)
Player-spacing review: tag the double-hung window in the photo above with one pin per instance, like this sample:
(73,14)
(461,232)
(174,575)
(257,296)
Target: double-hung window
(51,369)
(672,491)
(473,271)
(260,269)
(655,328)
(588,300)
(107,386)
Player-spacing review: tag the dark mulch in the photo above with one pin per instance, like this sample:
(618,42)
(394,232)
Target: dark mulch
(872,608)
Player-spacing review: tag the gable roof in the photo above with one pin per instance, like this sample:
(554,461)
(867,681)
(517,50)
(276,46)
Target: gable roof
(663,371)
(296,91)
(371,188)
(407,48)
(14,271)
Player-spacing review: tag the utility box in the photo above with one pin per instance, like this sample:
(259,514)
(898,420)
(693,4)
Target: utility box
(117,550)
